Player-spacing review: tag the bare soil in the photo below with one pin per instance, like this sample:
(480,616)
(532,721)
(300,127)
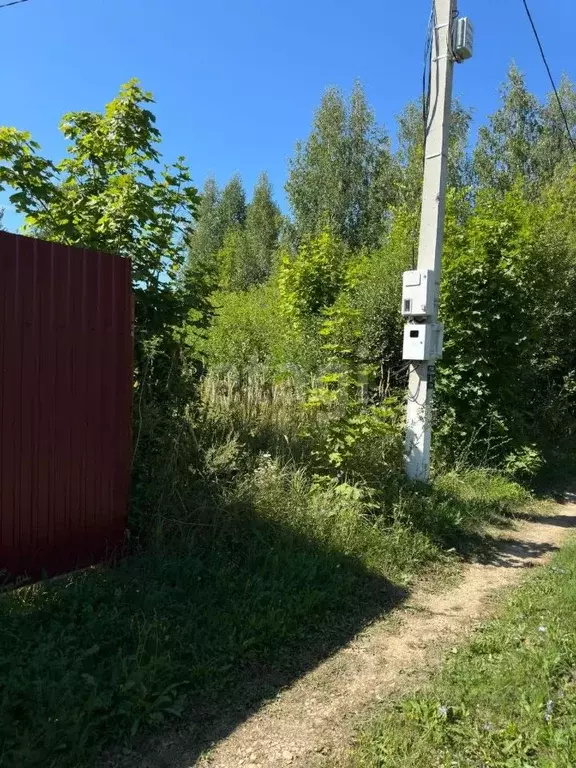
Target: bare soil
(312,723)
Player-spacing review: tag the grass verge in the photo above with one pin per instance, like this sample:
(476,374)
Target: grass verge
(508,700)
(291,570)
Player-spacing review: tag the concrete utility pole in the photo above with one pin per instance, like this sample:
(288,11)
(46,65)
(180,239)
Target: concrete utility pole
(423,335)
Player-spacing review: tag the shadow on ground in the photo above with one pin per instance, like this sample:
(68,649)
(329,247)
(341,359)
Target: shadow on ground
(512,553)
(331,600)
(304,605)
(558,521)
(207,635)
(204,632)
(508,552)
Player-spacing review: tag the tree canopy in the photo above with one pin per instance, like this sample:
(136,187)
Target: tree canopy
(341,178)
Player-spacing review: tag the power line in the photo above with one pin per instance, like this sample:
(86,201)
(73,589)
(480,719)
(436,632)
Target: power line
(431,39)
(14,2)
(537,36)
(427,72)
(426,97)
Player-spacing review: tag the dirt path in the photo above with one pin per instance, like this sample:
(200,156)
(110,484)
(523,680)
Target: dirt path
(312,723)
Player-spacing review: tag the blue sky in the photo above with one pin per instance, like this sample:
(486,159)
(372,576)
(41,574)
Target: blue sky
(236,83)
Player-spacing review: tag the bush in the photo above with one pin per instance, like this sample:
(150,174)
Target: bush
(250,332)
(504,381)
(312,280)
(377,297)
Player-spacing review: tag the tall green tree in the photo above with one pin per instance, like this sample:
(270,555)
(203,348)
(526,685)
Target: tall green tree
(315,185)
(229,250)
(207,237)
(555,150)
(218,243)
(232,205)
(247,235)
(233,261)
(341,178)
(524,138)
(111,193)
(263,221)
(507,146)
(106,192)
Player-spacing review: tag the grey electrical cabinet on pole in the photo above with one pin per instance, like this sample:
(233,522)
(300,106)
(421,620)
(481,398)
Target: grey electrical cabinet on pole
(452,40)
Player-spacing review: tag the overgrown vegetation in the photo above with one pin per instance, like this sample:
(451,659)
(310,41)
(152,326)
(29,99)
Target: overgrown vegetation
(290,568)
(268,497)
(508,699)
(328,312)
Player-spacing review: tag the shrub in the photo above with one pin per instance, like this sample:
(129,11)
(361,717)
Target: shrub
(312,280)
(503,384)
(250,332)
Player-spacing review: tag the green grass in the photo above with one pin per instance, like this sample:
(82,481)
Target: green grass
(222,618)
(508,700)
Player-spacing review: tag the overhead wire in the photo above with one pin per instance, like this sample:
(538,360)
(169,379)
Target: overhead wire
(427,72)
(14,2)
(453,16)
(426,94)
(551,78)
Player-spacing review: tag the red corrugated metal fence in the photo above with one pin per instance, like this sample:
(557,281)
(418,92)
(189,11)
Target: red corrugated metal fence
(65,404)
